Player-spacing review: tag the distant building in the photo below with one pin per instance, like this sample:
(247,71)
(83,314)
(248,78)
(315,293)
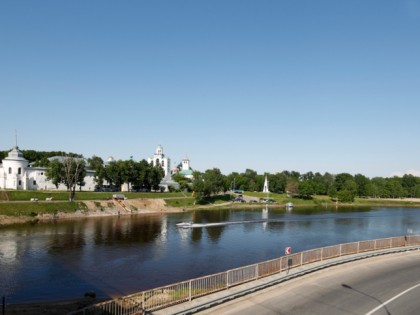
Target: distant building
(184,168)
(160,159)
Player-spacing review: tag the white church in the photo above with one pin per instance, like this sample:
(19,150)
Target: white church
(182,168)
(16,173)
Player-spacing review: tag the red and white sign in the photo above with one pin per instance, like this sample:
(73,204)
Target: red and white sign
(288,250)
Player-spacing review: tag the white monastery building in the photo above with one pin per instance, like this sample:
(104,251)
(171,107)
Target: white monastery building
(17,173)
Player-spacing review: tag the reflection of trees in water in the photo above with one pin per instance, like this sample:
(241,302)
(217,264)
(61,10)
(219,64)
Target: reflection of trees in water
(196,234)
(214,232)
(67,235)
(127,230)
(103,231)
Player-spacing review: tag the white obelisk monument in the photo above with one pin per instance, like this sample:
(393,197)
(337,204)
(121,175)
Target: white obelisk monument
(265,189)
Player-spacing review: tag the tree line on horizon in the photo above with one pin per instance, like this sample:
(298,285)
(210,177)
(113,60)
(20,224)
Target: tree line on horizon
(143,175)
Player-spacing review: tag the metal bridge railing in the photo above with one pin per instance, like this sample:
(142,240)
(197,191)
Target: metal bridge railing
(180,292)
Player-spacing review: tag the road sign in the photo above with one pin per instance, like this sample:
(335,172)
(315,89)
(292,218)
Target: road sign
(288,250)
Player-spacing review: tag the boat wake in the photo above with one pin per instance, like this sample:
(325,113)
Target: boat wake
(187,225)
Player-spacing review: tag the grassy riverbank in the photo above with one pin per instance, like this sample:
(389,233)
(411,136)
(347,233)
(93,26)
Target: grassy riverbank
(17,204)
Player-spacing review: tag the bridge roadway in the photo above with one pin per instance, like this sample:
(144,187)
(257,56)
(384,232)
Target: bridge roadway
(386,284)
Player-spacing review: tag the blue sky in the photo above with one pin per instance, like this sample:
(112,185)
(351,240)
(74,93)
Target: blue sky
(322,86)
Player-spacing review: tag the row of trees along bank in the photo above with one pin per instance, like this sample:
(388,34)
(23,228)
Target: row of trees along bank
(345,187)
(141,175)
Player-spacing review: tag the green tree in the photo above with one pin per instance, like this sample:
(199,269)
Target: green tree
(114,173)
(349,190)
(306,189)
(362,185)
(409,182)
(184,183)
(394,187)
(96,164)
(155,177)
(379,187)
(277,183)
(209,183)
(55,172)
(340,179)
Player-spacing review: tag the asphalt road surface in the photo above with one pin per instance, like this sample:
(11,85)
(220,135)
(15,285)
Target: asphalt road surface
(388,284)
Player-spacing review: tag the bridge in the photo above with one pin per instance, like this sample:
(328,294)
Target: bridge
(198,294)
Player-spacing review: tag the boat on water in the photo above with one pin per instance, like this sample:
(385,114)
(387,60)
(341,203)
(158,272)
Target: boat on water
(289,205)
(184,224)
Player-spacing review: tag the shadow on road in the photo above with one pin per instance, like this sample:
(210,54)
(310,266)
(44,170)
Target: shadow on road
(362,293)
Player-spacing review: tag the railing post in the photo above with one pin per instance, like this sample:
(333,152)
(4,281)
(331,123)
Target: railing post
(340,249)
(322,253)
(190,291)
(256,271)
(227,279)
(375,245)
(358,247)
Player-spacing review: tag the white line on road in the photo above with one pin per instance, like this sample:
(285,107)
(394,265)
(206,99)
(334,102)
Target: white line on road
(392,299)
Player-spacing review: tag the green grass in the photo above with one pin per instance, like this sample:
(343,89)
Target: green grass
(180,202)
(34,208)
(26,195)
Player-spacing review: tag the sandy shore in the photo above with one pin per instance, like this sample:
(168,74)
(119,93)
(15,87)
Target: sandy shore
(100,208)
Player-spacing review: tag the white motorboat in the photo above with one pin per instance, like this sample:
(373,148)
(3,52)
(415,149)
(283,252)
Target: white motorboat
(289,205)
(184,224)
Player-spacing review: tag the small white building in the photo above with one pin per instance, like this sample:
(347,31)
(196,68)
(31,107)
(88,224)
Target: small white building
(16,173)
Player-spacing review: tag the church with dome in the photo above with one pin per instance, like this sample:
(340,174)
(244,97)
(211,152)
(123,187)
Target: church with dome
(183,168)
(18,174)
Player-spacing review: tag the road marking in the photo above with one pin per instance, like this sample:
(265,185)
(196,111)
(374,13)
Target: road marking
(392,299)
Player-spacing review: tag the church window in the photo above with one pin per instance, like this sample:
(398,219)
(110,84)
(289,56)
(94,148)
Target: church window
(34,182)
(19,170)
(10,170)
(20,183)
(163,163)
(157,162)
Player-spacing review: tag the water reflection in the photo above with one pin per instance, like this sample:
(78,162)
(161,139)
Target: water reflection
(122,255)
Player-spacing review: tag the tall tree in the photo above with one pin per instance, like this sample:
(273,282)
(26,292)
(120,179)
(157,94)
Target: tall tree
(209,183)
(74,171)
(362,185)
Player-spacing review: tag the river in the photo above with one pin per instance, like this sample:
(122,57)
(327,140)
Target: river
(116,256)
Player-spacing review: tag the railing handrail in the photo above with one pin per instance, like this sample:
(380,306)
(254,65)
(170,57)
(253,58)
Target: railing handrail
(186,290)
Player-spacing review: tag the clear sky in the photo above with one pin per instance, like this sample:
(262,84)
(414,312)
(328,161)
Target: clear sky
(323,86)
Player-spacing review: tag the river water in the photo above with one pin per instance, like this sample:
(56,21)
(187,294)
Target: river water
(116,256)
